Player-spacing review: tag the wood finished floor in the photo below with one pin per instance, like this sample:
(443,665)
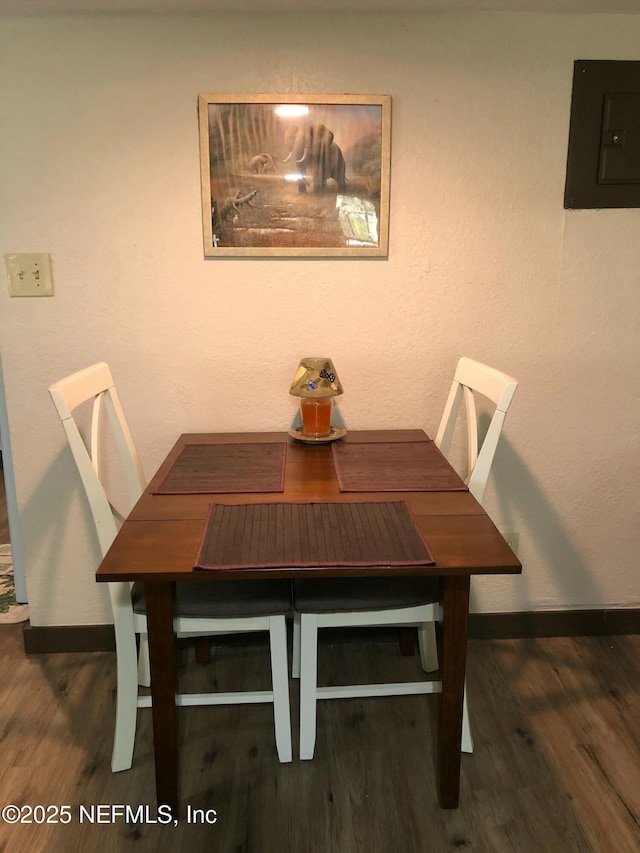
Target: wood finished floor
(556,765)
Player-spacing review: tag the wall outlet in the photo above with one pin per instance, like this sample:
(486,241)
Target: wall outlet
(512,539)
(29,274)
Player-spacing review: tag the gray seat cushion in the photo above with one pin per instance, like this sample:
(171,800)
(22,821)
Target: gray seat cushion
(347,595)
(226,599)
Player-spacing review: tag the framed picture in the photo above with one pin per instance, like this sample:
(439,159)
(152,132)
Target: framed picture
(295,175)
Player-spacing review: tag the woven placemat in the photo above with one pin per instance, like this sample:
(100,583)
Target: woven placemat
(394,466)
(311,534)
(226,469)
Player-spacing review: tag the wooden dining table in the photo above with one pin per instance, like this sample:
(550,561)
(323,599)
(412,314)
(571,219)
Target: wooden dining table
(159,543)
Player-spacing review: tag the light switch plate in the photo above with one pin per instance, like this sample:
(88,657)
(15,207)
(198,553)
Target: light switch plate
(29,274)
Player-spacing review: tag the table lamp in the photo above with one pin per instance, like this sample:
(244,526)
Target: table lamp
(316,383)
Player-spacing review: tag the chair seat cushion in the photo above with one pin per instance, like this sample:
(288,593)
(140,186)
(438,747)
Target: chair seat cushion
(348,595)
(225,599)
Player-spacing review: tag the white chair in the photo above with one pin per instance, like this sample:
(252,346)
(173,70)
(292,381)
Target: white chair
(471,378)
(234,607)
(323,603)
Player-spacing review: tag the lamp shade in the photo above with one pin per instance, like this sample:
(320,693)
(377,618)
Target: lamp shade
(316,377)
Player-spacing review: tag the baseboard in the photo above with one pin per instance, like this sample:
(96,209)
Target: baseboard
(553,623)
(68,638)
(482,626)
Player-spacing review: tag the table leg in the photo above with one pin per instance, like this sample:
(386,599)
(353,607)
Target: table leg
(160,600)
(455,618)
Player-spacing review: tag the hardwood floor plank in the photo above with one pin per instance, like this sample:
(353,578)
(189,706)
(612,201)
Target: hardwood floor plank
(556,763)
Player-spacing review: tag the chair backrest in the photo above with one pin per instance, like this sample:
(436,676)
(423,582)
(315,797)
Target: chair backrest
(473,377)
(96,383)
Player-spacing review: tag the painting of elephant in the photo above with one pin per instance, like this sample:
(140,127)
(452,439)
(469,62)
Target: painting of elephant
(262,163)
(312,148)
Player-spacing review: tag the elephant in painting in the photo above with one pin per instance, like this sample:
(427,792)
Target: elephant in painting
(262,163)
(312,148)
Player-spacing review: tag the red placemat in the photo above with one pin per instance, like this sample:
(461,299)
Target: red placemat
(311,534)
(394,466)
(226,468)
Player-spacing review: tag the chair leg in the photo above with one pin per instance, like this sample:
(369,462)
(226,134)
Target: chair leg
(126,705)
(144,667)
(295,665)
(202,650)
(467,740)
(280,683)
(308,683)
(407,641)
(428,646)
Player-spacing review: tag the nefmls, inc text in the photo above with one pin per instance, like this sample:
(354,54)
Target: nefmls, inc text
(143,814)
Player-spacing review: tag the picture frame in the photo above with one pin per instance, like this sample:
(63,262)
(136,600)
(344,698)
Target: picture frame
(295,175)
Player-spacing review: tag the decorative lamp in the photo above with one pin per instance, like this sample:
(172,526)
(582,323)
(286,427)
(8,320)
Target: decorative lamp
(316,383)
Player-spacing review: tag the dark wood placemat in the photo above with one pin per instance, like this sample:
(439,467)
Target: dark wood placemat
(225,469)
(311,534)
(394,466)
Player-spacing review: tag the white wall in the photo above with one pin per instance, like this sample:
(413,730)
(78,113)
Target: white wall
(99,167)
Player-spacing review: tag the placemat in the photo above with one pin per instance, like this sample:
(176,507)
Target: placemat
(226,468)
(311,534)
(393,466)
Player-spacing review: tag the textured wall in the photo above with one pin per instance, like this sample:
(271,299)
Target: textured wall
(99,166)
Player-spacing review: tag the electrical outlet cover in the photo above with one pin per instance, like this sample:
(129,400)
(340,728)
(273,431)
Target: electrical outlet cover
(512,539)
